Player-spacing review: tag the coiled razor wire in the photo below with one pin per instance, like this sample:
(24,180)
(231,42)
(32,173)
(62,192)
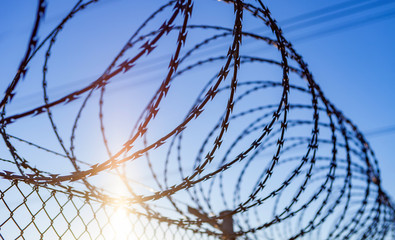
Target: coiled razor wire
(226,135)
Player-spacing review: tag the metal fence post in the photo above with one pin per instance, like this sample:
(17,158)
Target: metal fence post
(227,226)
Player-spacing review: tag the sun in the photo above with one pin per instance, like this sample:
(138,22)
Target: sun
(120,223)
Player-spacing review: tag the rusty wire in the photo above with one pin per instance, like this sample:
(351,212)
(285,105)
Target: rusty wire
(276,155)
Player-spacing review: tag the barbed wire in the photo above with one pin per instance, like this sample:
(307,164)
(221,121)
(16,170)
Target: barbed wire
(274,155)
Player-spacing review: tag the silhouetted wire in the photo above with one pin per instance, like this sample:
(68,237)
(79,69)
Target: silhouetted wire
(281,167)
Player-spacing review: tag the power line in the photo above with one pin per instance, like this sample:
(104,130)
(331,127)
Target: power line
(341,10)
(381,131)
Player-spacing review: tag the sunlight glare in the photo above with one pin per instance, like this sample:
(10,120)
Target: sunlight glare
(120,223)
